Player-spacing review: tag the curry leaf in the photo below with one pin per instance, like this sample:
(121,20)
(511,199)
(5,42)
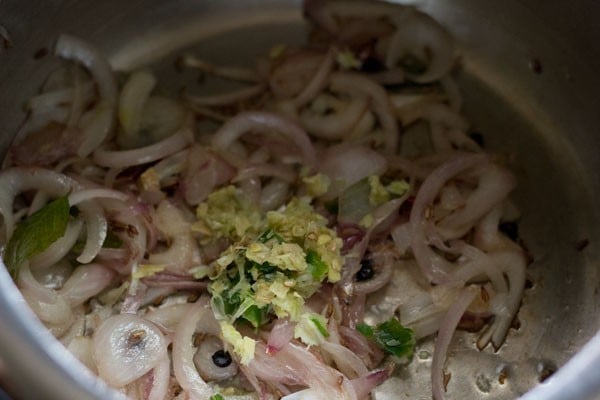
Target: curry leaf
(391,336)
(33,235)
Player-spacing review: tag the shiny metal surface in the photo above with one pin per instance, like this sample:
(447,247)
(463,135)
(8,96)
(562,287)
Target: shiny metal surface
(546,123)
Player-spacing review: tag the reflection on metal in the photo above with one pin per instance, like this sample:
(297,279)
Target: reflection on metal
(544,125)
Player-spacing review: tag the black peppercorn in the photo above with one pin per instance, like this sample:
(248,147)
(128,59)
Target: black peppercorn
(366,271)
(221,358)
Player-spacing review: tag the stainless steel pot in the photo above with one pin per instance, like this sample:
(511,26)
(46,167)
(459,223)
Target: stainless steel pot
(529,74)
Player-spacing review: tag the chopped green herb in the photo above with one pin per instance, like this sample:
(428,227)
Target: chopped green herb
(366,330)
(316,267)
(268,235)
(217,397)
(279,259)
(255,316)
(391,336)
(398,188)
(36,233)
(311,329)
(319,324)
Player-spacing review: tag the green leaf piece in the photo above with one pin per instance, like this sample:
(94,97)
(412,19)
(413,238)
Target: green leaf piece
(35,234)
(391,336)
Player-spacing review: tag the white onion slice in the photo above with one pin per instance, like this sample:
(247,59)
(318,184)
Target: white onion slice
(133,97)
(223,99)
(96,126)
(359,84)
(160,380)
(421,36)
(183,351)
(318,82)
(46,303)
(274,194)
(168,317)
(281,334)
(183,251)
(335,125)
(446,330)
(346,164)
(494,185)
(434,266)
(82,348)
(126,347)
(73,48)
(143,155)
(57,250)
(86,282)
(264,122)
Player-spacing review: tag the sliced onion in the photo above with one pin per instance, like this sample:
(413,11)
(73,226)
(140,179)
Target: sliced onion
(294,71)
(226,72)
(73,48)
(48,100)
(274,194)
(223,99)
(264,122)
(335,125)
(205,364)
(46,303)
(168,317)
(183,349)
(143,155)
(419,35)
(161,379)
(281,334)
(253,171)
(82,347)
(318,82)
(86,282)
(433,266)
(132,230)
(494,185)
(346,361)
(346,164)
(183,251)
(366,383)
(59,249)
(126,347)
(355,83)
(203,173)
(384,263)
(96,227)
(446,330)
(482,262)
(96,126)
(513,263)
(401,234)
(133,97)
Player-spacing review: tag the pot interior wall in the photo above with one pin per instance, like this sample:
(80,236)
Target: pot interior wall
(543,123)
